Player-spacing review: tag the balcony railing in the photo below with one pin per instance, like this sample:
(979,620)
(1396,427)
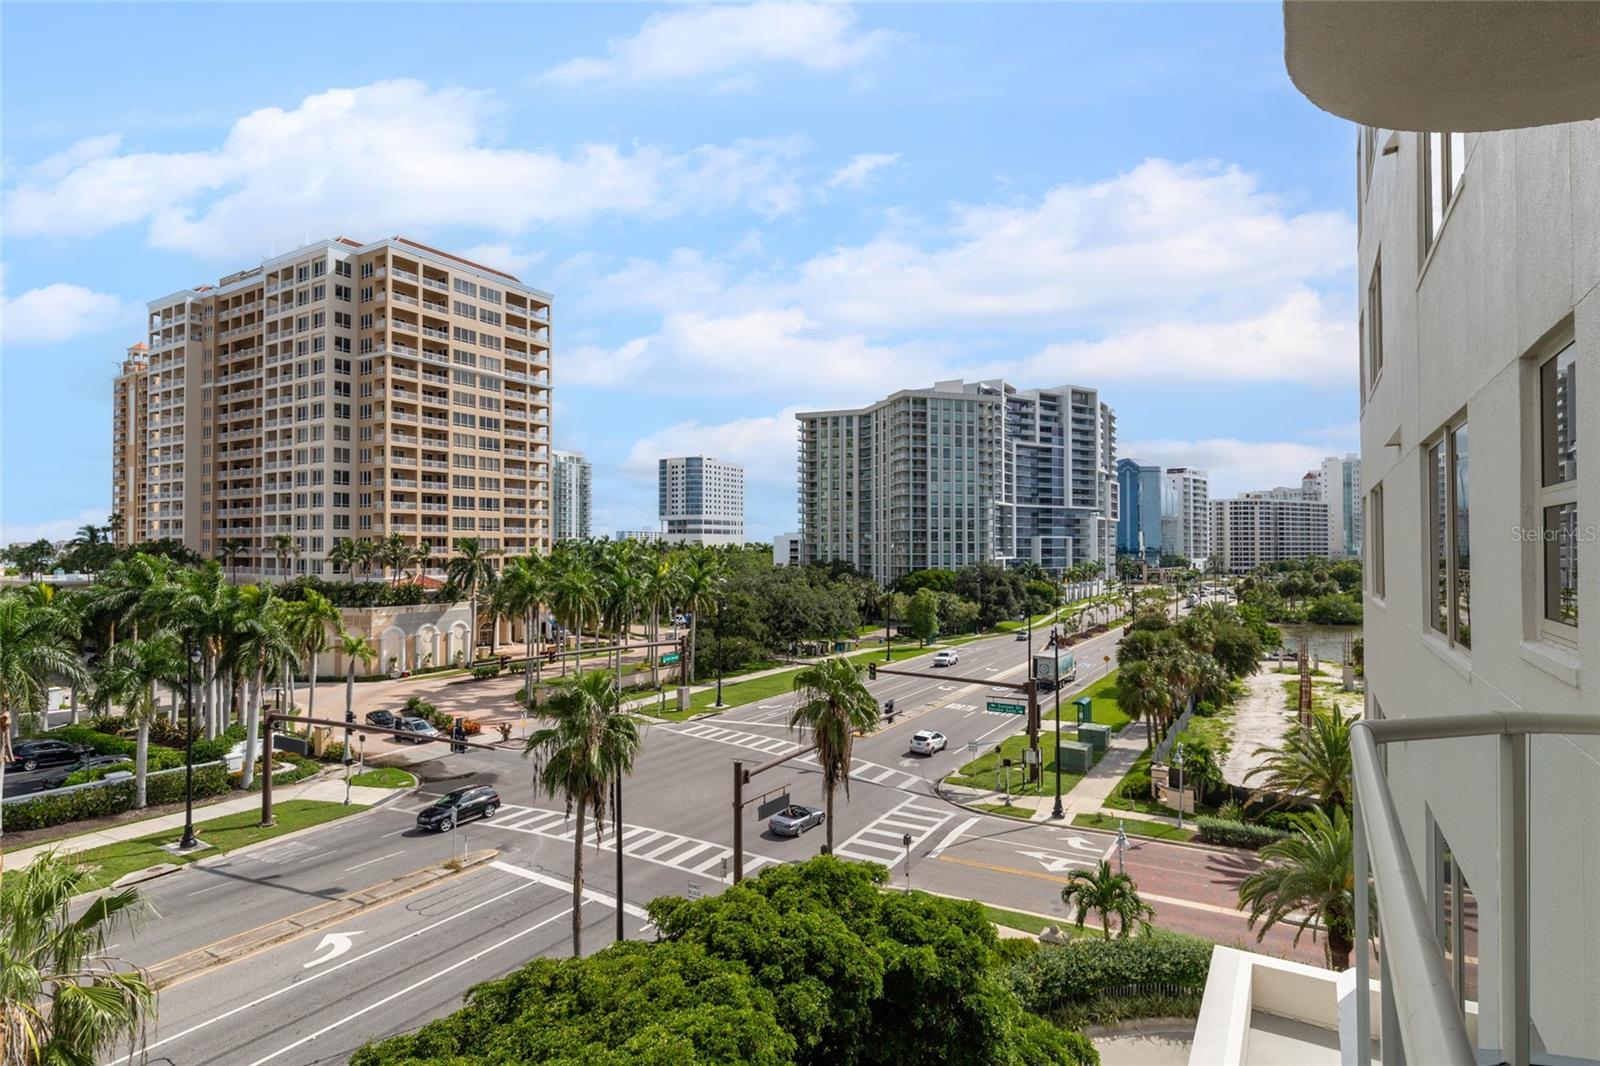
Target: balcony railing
(1419,1001)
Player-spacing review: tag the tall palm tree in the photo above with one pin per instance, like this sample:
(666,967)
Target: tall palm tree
(309,623)
(367,552)
(1107,893)
(228,551)
(589,744)
(285,548)
(1312,760)
(471,571)
(36,642)
(128,676)
(524,589)
(138,588)
(203,610)
(346,553)
(834,704)
(353,646)
(621,592)
(659,593)
(65,1001)
(575,597)
(1308,880)
(395,554)
(421,556)
(1142,692)
(699,588)
(264,651)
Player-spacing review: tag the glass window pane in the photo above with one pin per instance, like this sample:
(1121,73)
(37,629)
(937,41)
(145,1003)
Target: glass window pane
(1458,159)
(1438,546)
(1558,392)
(1463,550)
(1561,563)
(1435,182)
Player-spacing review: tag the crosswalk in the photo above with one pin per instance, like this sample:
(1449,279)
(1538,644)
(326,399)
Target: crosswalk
(871,772)
(638,841)
(860,769)
(883,841)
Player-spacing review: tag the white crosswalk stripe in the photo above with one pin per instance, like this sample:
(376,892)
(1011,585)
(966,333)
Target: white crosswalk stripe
(767,745)
(872,773)
(883,840)
(638,841)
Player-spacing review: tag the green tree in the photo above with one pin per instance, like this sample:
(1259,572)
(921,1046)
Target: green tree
(1307,880)
(310,623)
(345,554)
(128,676)
(922,615)
(264,651)
(699,589)
(65,999)
(353,647)
(471,571)
(589,744)
(229,551)
(37,641)
(284,548)
(574,597)
(1313,760)
(525,589)
(834,704)
(1142,692)
(32,559)
(1107,893)
(660,595)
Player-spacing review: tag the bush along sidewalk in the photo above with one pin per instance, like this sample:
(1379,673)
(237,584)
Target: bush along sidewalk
(1231,834)
(114,797)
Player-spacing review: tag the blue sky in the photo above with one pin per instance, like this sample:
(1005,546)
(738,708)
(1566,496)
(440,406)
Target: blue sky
(742,211)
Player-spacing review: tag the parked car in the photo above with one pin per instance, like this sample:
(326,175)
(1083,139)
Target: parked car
(1022,634)
(455,807)
(415,730)
(926,742)
(792,821)
(57,778)
(946,658)
(382,719)
(32,754)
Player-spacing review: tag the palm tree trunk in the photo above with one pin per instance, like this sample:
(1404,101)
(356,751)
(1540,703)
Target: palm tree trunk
(252,728)
(577,881)
(655,635)
(311,692)
(827,795)
(141,760)
(688,669)
(72,718)
(528,635)
(472,631)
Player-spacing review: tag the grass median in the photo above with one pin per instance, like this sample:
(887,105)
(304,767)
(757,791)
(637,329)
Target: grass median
(987,771)
(1133,827)
(112,861)
(384,777)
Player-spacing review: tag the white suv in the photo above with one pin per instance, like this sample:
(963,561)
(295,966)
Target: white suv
(946,658)
(926,742)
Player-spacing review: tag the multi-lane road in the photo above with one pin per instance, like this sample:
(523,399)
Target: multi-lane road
(314,998)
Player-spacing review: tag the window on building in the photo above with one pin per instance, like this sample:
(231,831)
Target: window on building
(1558,490)
(1374,542)
(1373,325)
(1449,540)
(1444,157)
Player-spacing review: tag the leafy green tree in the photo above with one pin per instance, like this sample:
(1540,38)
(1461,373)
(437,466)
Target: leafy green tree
(525,589)
(922,615)
(37,641)
(834,704)
(700,587)
(574,596)
(32,559)
(64,998)
(1108,894)
(588,745)
(345,555)
(1142,692)
(284,548)
(1307,880)
(1312,760)
(1335,609)
(264,652)
(128,676)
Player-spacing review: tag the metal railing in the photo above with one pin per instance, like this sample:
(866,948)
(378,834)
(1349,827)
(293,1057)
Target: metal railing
(1419,1001)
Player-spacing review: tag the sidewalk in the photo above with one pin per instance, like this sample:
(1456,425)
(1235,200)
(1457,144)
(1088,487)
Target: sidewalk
(326,787)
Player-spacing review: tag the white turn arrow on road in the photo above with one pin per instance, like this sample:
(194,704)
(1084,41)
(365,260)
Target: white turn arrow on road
(1057,863)
(339,942)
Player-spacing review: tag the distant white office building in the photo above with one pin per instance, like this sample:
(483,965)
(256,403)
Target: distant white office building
(1339,486)
(570,476)
(701,500)
(649,536)
(1264,527)
(1185,514)
(786,549)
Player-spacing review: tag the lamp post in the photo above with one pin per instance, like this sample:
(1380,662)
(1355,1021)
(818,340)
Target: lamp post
(617,815)
(1177,760)
(720,604)
(1058,811)
(888,633)
(188,841)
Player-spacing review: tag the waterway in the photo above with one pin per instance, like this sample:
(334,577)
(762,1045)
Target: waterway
(1326,643)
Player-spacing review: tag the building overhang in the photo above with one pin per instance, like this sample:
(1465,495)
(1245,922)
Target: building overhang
(1467,65)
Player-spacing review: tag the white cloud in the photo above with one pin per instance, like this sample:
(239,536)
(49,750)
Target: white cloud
(1233,466)
(356,160)
(51,529)
(502,256)
(764,445)
(855,173)
(725,39)
(59,312)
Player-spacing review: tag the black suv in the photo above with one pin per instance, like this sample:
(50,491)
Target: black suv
(475,801)
(32,754)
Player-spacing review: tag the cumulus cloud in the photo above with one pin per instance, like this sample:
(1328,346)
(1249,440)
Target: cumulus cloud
(51,529)
(56,313)
(355,160)
(728,41)
(502,256)
(855,173)
(1234,466)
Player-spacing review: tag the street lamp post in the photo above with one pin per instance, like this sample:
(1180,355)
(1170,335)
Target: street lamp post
(719,651)
(617,830)
(888,633)
(188,841)
(1177,760)
(1058,811)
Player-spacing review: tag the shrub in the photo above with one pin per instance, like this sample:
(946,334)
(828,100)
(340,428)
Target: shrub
(334,752)
(1084,970)
(486,670)
(417,707)
(1230,812)
(59,808)
(505,731)
(1236,834)
(1135,786)
(83,777)
(1283,821)
(472,727)
(1014,949)
(303,768)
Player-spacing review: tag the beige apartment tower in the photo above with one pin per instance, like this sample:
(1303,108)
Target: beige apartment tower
(340,390)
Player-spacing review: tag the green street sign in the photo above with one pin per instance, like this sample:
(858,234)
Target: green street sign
(669,658)
(997,707)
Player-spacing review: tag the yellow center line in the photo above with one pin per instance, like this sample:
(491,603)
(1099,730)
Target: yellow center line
(1168,901)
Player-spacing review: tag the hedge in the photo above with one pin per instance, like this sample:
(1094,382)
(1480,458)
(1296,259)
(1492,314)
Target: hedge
(58,808)
(1237,834)
(1088,968)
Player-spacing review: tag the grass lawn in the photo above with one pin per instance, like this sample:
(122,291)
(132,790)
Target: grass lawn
(384,777)
(1107,711)
(1005,809)
(223,834)
(980,772)
(1133,827)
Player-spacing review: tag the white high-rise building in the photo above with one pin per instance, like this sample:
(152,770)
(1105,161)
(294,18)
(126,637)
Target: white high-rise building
(1264,527)
(570,496)
(786,549)
(1185,514)
(701,500)
(1339,485)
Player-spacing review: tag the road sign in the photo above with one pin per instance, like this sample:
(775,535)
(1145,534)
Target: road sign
(1030,755)
(669,658)
(1001,707)
(972,745)
(694,889)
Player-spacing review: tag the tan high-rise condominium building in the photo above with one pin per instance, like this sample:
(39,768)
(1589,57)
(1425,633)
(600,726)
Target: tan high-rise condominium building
(341,390)
(130,412)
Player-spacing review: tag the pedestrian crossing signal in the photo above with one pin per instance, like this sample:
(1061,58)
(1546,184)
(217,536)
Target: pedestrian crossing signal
(872,671)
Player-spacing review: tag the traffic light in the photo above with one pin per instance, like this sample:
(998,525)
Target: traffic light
(458,737)
(888,710)
(872,671)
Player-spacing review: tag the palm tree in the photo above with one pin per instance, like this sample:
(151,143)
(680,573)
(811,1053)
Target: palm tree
(285,548)
(621,591)
(523,589)
(395,554)
(264,651)
(699,588)
(346,553)
(128,676)
(309,623)
(203,609)
(470,571)
(589,744)
(1313,760)
(367,552)
(1308,880)
(137,588)
(36,642)
(228,551)
(353,647)
(575,598)
(1142,692)
(834,704)
(658,593)
(421,555)
(1107,893)
(64,999)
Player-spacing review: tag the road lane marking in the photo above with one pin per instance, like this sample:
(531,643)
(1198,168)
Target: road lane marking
(1169,901)
(953,836)
(369,862)
(660,843)
(589,894)
(198,891)
(415,985)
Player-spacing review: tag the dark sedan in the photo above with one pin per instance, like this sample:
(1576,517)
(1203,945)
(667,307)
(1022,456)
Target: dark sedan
(792,821)
(57,778)
(453,808)
(382,719)
(32,754)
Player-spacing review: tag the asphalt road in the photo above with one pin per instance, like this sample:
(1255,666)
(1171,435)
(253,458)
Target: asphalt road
(411,960)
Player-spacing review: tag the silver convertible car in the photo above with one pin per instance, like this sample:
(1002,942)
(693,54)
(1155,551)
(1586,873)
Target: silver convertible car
(792,821)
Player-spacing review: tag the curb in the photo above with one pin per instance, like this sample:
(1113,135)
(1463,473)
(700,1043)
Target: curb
(227,950)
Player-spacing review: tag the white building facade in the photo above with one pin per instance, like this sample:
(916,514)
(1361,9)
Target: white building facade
(786,549)
(1339,486)
(701,500)
(1265,527)
(571,496)
(1185,514)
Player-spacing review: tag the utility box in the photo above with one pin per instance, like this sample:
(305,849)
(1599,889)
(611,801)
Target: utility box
(1075,757)
(1085,707)
(1095,735)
